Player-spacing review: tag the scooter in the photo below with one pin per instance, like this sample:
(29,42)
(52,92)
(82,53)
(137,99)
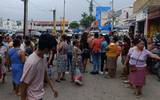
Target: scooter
(154,65)
(158,69)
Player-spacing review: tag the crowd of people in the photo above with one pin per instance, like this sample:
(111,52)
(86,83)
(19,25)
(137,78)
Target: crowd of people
(31,60)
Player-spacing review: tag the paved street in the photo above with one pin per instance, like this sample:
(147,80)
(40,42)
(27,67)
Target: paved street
(94,88)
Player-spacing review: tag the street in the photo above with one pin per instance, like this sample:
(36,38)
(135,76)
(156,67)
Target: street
(95,88)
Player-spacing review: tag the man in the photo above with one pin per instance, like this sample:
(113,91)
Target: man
(34,74)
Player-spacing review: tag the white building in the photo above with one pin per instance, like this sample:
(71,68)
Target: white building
(124,17)
(8,24)
(32,25)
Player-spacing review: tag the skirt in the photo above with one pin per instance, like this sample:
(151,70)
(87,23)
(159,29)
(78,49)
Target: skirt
(138,77)
(61,63)
(111,62)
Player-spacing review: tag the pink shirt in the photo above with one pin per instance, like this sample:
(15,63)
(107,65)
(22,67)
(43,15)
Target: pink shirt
(33,75)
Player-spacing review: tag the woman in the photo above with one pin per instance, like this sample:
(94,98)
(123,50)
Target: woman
(76,75)
(125,48)
(137,57)
(3,55)
(69,54)
(96,47)
(85,50)
(62,58)
(112,55)
(104,45)
(17,59)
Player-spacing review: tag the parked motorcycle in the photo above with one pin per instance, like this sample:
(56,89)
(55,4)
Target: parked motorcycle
(155,65)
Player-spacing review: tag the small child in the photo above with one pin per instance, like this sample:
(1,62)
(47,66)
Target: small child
(76,75)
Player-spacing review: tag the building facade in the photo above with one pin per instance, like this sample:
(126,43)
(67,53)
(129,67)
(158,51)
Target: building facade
(8,24)
(47,25)
(147,16)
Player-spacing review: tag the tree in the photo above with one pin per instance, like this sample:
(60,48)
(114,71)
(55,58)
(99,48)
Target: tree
(86,20)
(74,25)
(84,15)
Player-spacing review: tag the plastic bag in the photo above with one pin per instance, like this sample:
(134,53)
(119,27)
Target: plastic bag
(78,74)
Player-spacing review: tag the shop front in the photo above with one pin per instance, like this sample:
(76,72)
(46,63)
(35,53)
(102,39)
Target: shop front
(141,22)
(153,23)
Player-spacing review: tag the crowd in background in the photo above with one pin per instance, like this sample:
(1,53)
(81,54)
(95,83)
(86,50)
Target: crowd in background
(100,51)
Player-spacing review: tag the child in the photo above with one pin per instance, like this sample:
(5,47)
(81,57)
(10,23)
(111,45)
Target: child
(76,75)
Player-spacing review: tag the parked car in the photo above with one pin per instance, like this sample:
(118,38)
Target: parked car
(35,34)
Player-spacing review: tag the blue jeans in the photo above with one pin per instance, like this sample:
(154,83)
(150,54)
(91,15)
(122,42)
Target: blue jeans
(96,62)
(69,60)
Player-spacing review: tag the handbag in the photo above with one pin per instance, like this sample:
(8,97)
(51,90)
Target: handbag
(133,67)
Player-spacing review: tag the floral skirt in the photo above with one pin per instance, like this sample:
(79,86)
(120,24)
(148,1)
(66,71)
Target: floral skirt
(61,63)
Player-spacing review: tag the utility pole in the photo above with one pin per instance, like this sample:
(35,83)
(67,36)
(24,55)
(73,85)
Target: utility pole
(64,14)
(112,14)
(54,21)
(91,8)
(25,24)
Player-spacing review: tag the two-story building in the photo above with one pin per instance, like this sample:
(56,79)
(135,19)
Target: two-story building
(47,25)
(147,16)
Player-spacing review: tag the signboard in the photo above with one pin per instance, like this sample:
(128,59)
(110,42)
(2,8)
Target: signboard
(154,14)
(104,16)
(141,16)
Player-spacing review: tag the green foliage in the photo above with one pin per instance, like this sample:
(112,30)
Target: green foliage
(74,25)
(86,20)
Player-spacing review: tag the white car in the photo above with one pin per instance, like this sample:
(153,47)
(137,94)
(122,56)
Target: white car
(35,34)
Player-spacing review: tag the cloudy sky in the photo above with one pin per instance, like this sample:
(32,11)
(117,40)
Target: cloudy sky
(40,9)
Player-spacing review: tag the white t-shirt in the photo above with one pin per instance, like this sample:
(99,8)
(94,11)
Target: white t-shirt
(33,75)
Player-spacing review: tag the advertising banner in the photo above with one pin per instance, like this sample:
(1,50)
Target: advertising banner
(104,16)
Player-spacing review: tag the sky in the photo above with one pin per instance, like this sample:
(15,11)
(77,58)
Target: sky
(41,9)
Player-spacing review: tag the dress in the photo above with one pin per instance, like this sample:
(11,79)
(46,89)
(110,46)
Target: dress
(16,64)
(85,50)
(77,60)
(3,50)
(138,77)
(62,58)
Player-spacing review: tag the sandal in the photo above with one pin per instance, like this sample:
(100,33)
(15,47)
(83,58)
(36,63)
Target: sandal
(58,81)
(63,79)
